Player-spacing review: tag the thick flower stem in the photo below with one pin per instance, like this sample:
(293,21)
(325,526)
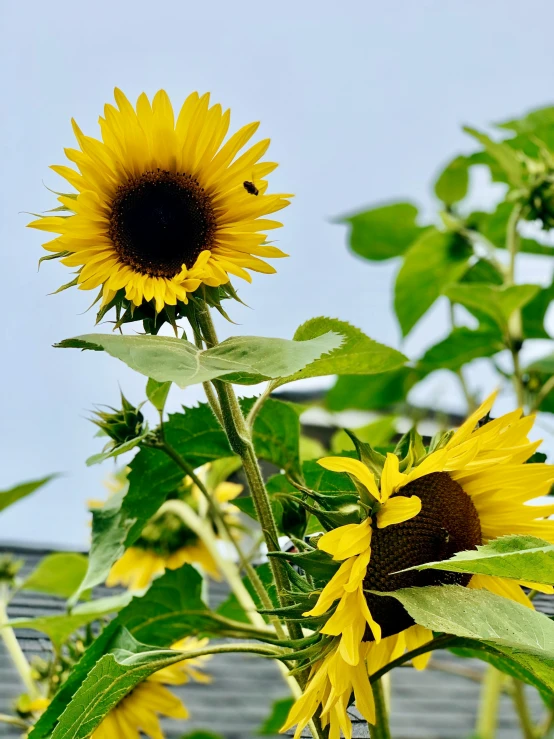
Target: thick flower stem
(487,718)
(241,443)
(381,728)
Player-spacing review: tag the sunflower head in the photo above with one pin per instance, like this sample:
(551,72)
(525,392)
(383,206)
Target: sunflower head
(165,204)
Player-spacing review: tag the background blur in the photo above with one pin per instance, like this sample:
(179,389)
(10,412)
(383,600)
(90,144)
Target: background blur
(363,102)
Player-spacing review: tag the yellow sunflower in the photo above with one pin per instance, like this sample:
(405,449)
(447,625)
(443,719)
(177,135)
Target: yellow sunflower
(469,491)
(166,543)
(139,710)
(164,204)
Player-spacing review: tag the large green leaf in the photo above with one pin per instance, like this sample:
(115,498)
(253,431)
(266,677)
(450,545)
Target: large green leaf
(248,359)
(57,574)
(480,614)
(277,434)
(197,436)
(116,451)
(358,354)
(372,392)
(171,609)
(497,302)
(534,313)
(59,628)
(435,260)
(452,183)
(378,433)
(384,232)
(99,646)
(517,557)
(11,496)
(460,347)
(109,681)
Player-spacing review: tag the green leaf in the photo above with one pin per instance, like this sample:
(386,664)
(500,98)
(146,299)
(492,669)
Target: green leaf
(517,557)
(506,157)
(378,433)
(60,628)
(462,346)
(110,680)
(171,609)
(544,364)
(157,393)
(99,646)
(384,232)
(197,436)
(435,260)
(11,496)
(317,563)
(277,434)
(534,313)
(279,712)
(117,450)
(493,227)
(483,271)
(201,734)
(358,355)
(57,574)
(373,392)
(480,614)
(452,183)
(244,359)
(497,302)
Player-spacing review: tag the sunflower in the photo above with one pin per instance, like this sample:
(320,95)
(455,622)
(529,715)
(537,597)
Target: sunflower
(138,711)
(163,205)
(167,543)
(472,488)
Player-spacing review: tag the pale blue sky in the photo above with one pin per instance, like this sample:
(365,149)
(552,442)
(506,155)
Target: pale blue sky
(363,101)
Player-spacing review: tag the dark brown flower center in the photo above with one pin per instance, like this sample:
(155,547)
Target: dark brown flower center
(160,221)
(448,523)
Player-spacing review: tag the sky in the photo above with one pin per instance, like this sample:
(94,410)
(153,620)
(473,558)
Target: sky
(363,102)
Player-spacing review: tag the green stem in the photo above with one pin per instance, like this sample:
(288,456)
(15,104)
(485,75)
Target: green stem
(381,728)
(487,717)
(514,323)
(241,443)
(522,709)
(440,642)
(470,400)
(258,405)
(13,648)
(545,390)
(225,532)
(212,400)
(14,721)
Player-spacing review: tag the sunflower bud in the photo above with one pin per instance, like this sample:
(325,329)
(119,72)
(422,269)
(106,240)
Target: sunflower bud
(120,425)
(9,567)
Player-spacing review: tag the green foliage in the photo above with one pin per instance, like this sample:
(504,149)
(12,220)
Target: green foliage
(479,614)
(462,346)
(18,492)
(452,183)
(534,313)
(279,712)
(497,302)
(201,734)
(384,232)
(373,392)
(242,359)
(516,557)
(277,434)
(109,681)
(57,574)
(358,354)
(378,433)
(434,261)
(157,393)
(60,628)
(504,155)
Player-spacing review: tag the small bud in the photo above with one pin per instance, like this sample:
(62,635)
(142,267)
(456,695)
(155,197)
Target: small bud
(120,425)
(9,567)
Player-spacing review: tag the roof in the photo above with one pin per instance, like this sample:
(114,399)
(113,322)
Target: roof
(425,705)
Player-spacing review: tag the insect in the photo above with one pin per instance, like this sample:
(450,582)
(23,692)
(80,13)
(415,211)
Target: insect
(250,188)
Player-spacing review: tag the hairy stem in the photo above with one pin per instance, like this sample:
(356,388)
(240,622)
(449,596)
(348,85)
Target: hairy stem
(487,717)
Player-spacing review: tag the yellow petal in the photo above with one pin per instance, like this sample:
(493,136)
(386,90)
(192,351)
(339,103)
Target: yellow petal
(397,510)
(353,467)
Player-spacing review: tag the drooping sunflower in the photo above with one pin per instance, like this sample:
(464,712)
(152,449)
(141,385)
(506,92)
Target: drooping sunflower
(137,713)
(163,203)
(472,488)
(167,543)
